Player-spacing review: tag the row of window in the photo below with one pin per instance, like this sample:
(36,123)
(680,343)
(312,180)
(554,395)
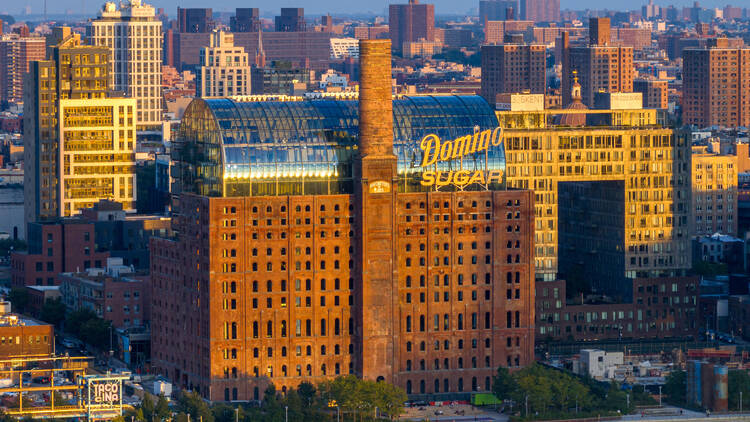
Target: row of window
(231,328)
(231,286)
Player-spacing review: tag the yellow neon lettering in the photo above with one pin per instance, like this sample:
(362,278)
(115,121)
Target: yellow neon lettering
(429,143)
(428,178)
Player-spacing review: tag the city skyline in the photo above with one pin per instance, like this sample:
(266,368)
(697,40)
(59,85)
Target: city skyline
(333,7)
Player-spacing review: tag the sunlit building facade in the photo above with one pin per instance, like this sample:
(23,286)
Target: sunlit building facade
(633,146)
(74,72)
(97,151)
(325,237)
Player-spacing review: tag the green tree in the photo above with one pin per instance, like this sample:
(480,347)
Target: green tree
(193,404)
(739,381)
(96,332)
(19,299)
(504,384)
(147,406)
(75,319)
(674,387)
(390,399)
(161,410)
(53,311)
(307,391)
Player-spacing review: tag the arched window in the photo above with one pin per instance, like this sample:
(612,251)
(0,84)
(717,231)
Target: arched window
(322,327)
(408,388)
(269,329)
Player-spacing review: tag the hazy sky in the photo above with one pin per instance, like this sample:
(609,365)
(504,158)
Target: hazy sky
(318,7)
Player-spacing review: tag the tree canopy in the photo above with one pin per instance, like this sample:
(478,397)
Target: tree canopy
(553,393)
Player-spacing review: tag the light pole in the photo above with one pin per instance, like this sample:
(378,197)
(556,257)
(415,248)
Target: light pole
(740,402)
(286,413)
(660,396)
(338,414)
(527,405)
(236,414)
(627,401)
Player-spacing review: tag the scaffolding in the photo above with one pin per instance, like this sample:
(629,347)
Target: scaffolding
(95,396)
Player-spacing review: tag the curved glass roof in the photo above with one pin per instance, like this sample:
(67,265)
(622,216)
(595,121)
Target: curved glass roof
(232,148)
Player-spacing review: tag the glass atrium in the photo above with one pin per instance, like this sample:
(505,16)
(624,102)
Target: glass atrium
(226,147)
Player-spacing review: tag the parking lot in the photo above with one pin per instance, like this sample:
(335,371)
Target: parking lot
(459,412)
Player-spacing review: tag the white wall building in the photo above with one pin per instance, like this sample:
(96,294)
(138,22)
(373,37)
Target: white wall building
(225,69)
(344,47)
(134,37)
(598,363)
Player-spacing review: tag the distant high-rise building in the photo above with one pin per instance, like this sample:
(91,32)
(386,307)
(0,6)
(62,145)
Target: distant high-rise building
(79,144)
(512,68)
(732,13)
(134,38)
(410,23)
(245,20)
(494,31)
(327,23)
(371,32)
(654,92)
(540,10)
(292,19)
(195,20)
(651,10)
(16,52)
(497,10)
(600,32)
(225,69)
(714,85)
(600,66)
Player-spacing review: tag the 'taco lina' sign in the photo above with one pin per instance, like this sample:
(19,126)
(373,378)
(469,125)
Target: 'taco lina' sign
(435,150)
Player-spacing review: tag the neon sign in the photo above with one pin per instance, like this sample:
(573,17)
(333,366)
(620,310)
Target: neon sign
(435,150)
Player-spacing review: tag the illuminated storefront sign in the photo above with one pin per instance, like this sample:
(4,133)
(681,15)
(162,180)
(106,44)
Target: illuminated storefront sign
(435,150)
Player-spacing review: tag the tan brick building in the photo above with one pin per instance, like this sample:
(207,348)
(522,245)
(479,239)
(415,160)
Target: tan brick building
(323,268)
(512,68)
(600,66)
(655,93)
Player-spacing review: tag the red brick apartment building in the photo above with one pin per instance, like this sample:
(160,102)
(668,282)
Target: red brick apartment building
(662,308)
(279,279)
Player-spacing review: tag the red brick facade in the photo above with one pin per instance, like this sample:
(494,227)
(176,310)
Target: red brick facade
(429,291)
(662,308)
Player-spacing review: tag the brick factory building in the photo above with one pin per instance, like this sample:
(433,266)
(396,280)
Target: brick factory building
(323,242)
(23,336)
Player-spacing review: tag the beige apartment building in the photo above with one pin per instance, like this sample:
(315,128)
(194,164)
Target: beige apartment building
(134,38)
(225,69)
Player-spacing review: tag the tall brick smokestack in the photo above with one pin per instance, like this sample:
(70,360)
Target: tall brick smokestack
(375,106)
(375,279)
